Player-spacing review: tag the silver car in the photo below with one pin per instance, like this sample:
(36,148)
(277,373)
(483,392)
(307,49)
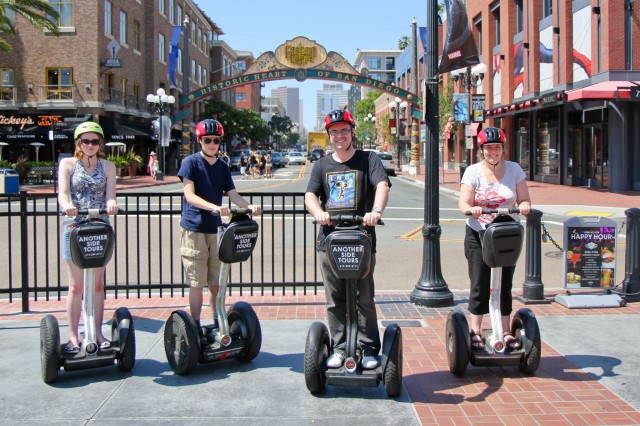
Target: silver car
(296,157)
(387,162)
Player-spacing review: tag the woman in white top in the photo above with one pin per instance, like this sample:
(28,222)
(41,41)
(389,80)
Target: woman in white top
(492,183)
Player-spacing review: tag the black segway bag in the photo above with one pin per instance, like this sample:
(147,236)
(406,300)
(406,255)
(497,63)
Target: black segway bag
(238,239)
(349,253)
(502,242)
(92,244)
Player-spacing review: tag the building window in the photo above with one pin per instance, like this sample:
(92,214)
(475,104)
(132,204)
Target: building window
(547,8)
(59,83)
(179,67)
(391,64)
(193,70)
(124,83)
(479,30)
(199,38)
(136,35)
(496,16)
(65,12)
(161,48)
(199,73)
(6,84)
(204,43)
(519,17)
(374,63)
(204,73)
(107,17)
(136,94)
(123,28)
(108,84)
(170,12)
(193,32)
(161,7)
(241,97)
(241,65)
(179,15)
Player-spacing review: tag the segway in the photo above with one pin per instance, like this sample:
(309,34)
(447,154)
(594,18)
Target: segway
(92,242)
(237,333)
(501,246)
(348,249)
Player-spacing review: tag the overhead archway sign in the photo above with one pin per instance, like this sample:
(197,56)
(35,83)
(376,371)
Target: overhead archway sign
(301,59)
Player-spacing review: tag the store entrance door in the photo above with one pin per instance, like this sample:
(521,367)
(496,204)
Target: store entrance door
(597,155)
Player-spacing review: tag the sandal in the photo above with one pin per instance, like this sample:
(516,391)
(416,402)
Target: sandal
(477,341)
(70,348)
(511,342)
(105,345)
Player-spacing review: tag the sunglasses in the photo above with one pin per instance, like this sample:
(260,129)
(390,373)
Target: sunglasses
(93,142)
(208,140)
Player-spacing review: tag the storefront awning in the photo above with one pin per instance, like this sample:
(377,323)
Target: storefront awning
(604,90)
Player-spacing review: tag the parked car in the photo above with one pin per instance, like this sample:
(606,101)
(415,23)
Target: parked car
(277,160)
(316,154)
(387,162)
(296,157)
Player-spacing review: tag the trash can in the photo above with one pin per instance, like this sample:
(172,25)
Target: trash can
(159,175)
(463,167)
(9,181)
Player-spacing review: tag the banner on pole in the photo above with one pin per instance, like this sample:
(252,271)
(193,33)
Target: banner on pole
(460,49)
(461,108)
(478,104)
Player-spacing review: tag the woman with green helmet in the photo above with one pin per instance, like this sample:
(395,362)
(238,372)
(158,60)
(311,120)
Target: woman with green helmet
(86,181)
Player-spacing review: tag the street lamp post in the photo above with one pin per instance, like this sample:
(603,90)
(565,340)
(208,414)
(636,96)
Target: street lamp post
(398,109)
(431,289)
(372,119)
(468,78)
(161,103)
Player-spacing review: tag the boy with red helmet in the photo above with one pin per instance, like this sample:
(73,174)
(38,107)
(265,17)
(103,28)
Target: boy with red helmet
(205,179)
(363,190)
(492,183)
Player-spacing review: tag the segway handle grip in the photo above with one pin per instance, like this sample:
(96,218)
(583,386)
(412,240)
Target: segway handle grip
(502,210)
(353,218)
(235,210)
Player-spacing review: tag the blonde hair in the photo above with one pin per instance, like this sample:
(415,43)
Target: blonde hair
(78,151)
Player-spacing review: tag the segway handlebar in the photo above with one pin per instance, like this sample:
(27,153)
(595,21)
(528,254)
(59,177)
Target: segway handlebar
(501,211)
(235,210)
(351,218)
(92,212)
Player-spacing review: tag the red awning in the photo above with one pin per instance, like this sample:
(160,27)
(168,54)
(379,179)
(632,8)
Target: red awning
(604,90)
(474,128)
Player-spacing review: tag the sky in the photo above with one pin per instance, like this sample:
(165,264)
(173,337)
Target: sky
(340,26)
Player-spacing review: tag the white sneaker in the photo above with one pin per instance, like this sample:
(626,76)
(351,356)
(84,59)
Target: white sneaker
(369,362)
(335,360)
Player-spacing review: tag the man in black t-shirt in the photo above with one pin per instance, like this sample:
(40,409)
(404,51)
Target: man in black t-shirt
(353,182)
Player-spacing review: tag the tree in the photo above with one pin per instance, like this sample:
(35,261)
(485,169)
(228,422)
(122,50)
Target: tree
(362,109)
(39,13)
(404,42)
(239,124)
(445,105)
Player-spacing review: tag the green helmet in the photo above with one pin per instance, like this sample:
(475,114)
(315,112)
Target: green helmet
(86,127)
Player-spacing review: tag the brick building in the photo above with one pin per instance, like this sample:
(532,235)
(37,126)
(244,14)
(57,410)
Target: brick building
(562,82)
(109,56)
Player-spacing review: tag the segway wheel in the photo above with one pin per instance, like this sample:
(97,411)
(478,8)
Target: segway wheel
(524,323)
(393,371)
(316,352)
(244,324)
(49,348)
(457,341)
(123,332)
(181,342)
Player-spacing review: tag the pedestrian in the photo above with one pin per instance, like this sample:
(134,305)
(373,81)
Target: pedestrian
(205,179)
(268,164)
(492,183)
(153,164)
(242,163)
(364,191)
(86,181)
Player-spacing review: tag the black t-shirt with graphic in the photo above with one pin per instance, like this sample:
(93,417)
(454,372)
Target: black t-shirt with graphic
(348,187)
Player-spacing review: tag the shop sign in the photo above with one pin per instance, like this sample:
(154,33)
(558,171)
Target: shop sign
(478,105)
(549,99)
(590,251)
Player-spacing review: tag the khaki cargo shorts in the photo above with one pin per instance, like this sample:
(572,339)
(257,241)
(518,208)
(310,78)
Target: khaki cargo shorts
(199,253)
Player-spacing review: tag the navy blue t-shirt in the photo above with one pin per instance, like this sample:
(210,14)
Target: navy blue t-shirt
(211,181)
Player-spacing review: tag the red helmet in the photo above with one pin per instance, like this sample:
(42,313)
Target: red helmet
(339,116)
(491,135)
(209,127)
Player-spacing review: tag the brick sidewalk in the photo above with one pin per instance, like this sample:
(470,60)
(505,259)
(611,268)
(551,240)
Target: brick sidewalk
(558,393)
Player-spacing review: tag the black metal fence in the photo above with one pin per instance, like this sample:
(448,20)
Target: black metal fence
(146,259)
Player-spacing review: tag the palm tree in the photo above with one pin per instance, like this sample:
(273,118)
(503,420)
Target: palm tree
(40,13)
